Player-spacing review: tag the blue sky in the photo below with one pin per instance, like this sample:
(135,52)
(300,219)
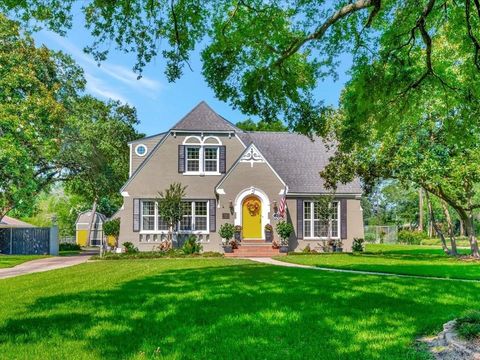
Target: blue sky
(159,104)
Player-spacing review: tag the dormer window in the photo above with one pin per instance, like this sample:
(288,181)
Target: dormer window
(201,156)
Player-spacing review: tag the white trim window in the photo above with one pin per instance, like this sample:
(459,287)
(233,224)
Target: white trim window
(193,158)
(210,159)
(148,215)
(141,150)
(202,155)
(195,216)
(315,226)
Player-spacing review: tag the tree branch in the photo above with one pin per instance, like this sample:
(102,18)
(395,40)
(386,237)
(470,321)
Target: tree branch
(322,29)
(472,37)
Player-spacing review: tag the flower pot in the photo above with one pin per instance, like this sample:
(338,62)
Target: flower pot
(339,249)
(228,249)
(238,236)
(284,249)
(268,236)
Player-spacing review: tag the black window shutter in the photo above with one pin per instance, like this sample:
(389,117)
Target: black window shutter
(212,214)
(343,218)
(299,219)
(181,158)
(136,215)
(222,158)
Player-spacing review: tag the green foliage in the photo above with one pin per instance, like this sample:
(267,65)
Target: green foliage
(36,89)
(410,237)
(468,325)
(69,247)
(169,254)
(370,238)
(112,227)
(227,231)
(249,125)
(170,207)
(191,245)
(94,141)
(357,245)
(130,248)
(306,249)
(284,230)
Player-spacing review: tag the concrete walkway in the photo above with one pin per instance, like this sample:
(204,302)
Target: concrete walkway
(270,261)
(45,264)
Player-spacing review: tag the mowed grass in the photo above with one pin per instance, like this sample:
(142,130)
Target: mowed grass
(396,259)
(220,309)
(7,261)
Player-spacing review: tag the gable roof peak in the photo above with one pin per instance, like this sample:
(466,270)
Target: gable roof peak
(203,118)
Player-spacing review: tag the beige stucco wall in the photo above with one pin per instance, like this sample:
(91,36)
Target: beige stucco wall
(136,160)
(160,171)
(354,226)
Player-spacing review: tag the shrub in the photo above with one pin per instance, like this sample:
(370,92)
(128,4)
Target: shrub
(130,248)
(357,245)
(410,237)
(307,249)
(191,245)
(227,231)
(112,228)
(284,230)
(468,326)
(370,238)
(69,247)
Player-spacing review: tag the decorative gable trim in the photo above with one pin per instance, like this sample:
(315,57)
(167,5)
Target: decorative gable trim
(252,155)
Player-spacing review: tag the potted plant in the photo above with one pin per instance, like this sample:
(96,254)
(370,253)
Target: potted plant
(268,233)
(227,232)
(332,245)
(284,230)
(238,233)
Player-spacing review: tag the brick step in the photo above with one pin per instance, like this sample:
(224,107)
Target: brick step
(234,255)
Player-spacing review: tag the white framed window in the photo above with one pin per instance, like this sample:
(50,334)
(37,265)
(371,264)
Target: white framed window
(195,217)
(316,226)
(193,158)
(141,150)
(210,159)
(202,155)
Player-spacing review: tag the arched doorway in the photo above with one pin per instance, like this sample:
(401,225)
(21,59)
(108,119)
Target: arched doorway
(252,217)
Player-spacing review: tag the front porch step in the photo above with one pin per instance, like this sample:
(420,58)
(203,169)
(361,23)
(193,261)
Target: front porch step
(254,250)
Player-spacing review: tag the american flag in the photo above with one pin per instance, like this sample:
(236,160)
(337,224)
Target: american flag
(283,204)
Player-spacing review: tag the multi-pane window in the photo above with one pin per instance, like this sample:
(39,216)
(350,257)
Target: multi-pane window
(148,215)
(211,159)
(195,217)
(193,159)
(318,223)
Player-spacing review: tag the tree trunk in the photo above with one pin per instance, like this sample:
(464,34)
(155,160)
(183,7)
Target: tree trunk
(470,231)
(434,224)
(92,222)
(451,230)
(420,209)
(462,228)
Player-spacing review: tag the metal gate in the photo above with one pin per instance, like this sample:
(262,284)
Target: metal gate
(24,241)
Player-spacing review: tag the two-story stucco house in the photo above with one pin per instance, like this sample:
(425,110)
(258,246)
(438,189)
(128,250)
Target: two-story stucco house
(237,177)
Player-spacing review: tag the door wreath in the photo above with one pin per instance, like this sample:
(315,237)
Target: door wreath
(253,207)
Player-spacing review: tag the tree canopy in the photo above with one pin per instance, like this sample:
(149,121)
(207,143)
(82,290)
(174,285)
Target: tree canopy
(250,125)
(268,57)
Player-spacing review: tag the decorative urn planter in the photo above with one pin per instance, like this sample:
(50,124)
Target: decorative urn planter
(284,249)
(268,236)
(339,249)
(228,249)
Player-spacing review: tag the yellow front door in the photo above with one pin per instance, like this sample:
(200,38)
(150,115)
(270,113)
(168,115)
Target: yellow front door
(252,218)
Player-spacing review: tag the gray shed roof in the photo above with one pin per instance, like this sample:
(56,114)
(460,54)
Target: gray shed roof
(297,160)
(203,118)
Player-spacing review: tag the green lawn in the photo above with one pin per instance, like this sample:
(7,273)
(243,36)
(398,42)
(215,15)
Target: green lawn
(396,259)
(220,309)
(7,261)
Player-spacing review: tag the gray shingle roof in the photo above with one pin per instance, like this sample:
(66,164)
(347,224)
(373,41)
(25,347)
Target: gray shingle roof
(297,160)
(203,118)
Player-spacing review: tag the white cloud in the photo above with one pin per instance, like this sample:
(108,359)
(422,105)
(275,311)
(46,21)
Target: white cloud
(121,73)
(98,87)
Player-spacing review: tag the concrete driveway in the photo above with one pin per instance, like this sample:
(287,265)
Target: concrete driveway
(46,264)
